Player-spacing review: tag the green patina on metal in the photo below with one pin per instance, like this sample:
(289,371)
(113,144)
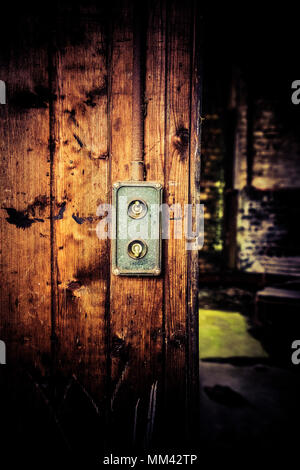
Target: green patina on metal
(136,247)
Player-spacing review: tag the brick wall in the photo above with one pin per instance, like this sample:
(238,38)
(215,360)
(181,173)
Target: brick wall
(266,175)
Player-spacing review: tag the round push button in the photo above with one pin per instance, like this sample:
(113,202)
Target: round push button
(137,209)
(137,249)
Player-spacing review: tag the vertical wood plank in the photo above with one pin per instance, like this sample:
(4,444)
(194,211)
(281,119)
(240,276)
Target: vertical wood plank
(25,197)
(124,292)
(192,363)
(155,92)
(136,303)
(81,178)
(177,192)
(155,101)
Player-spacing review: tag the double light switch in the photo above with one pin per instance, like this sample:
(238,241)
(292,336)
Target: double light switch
(136,248)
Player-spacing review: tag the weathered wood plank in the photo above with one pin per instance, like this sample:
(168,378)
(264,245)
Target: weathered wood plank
(192,363)
(154,142)
(81,178)
(25,196)
(136,303)
(125,297)
(177,192)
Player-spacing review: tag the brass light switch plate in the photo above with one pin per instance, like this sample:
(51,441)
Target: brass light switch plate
(136,241)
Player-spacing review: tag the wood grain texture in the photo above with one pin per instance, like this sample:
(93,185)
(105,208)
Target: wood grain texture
(136,303)
(178,80)
(192,362)
(126,339)
(25,197)
(80,181)
(125,293)
(154,158)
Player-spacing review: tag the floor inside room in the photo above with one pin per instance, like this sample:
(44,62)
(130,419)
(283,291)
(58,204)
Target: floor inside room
(249,395)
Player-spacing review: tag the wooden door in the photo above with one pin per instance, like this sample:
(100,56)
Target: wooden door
(130,344)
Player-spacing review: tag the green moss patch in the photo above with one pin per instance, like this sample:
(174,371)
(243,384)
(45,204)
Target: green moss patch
(225,334)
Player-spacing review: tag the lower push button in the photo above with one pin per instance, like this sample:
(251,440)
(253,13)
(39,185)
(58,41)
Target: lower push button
(137,249)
